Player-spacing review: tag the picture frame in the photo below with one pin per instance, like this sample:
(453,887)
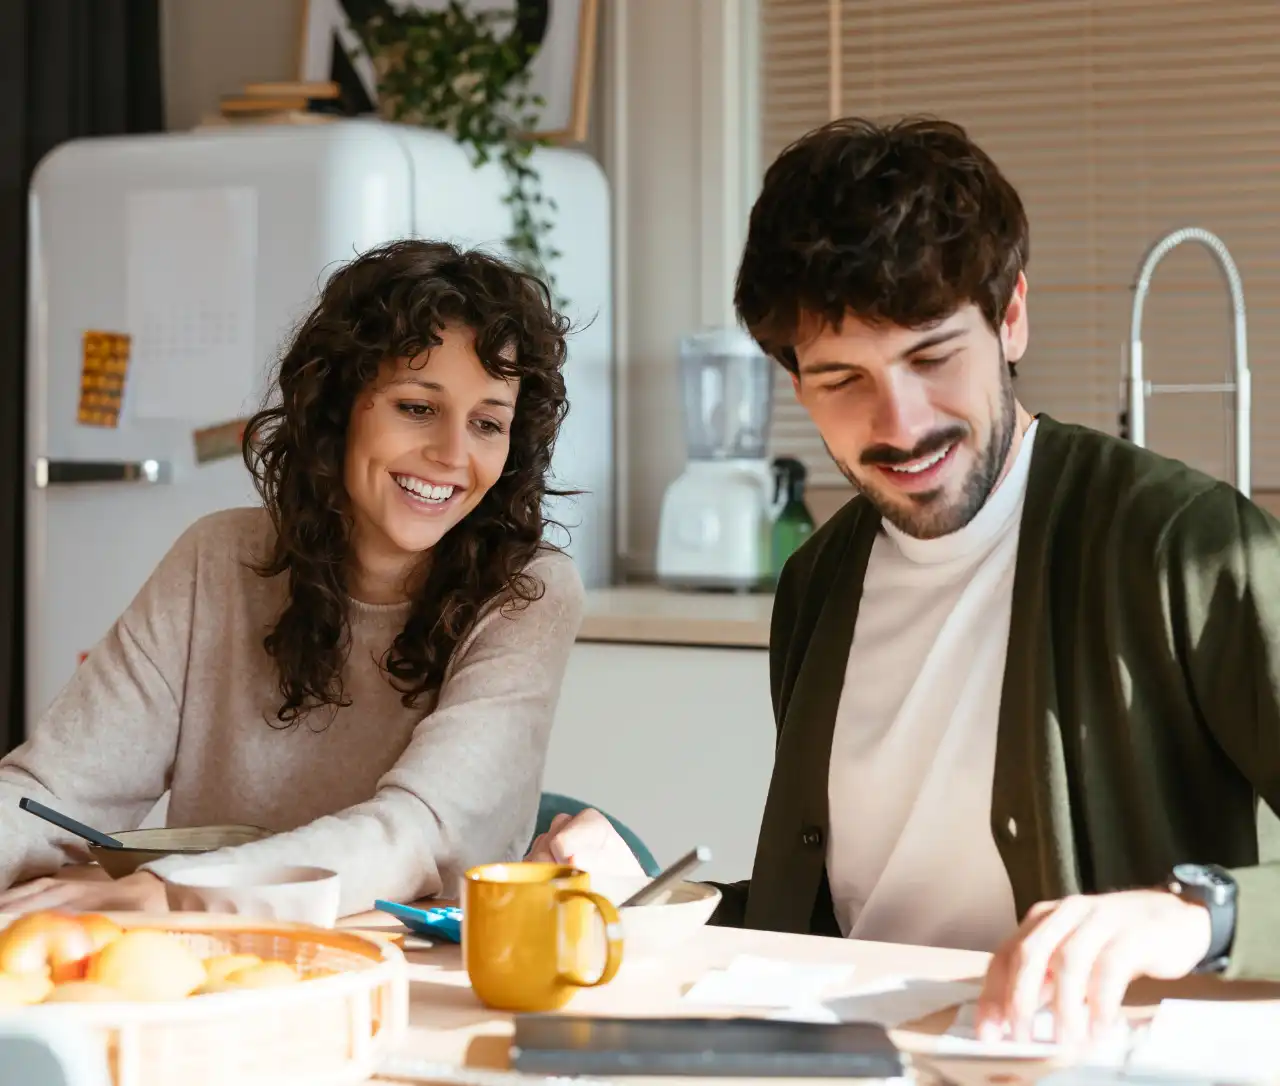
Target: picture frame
(562,67)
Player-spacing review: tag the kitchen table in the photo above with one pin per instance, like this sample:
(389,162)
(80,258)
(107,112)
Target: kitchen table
(466,1042)
(459,1041)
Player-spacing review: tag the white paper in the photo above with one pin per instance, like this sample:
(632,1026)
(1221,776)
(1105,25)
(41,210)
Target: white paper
(1117,1076)
(961,1039)
(1228,1041)
(890,1002)
(191,280)
(751,981)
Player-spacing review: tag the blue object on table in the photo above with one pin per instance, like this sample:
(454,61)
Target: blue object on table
(444,922)
(553,804)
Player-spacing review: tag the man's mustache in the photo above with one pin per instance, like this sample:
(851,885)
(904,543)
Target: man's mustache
(890,455)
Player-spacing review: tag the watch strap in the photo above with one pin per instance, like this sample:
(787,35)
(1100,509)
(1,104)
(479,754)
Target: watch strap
(1222,931)
(1222,920)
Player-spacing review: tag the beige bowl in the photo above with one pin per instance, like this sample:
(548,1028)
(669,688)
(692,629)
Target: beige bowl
(665,922)
(299,895)
(144,846)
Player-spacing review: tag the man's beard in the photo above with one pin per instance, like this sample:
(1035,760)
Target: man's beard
(928,515)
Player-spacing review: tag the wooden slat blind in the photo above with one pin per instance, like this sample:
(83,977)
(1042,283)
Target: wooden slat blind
(1118,121)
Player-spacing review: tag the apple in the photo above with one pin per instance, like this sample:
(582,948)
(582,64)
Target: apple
(219,967)
(51,944)
(101,929)
(147,965)
(23,990)
(83,991)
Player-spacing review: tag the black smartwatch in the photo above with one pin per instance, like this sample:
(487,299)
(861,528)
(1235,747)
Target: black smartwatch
(1215,889)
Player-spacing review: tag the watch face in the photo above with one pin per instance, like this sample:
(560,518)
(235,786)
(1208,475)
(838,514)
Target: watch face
(1191,875)
(1197,875)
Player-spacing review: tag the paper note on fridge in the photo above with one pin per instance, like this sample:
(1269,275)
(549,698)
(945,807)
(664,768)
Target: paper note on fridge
(191,286)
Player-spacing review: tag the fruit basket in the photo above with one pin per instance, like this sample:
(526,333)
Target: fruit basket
(332,1028)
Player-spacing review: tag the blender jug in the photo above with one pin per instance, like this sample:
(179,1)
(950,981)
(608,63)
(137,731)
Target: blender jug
(714,528)
(727,385)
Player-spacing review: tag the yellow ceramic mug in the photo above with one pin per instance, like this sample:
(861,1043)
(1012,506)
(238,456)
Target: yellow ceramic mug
(527,935)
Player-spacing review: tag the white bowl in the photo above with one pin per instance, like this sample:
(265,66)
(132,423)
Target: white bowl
(666,922)
(301,895)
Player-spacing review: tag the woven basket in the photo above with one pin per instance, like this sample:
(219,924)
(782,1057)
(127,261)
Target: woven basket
(331,1029)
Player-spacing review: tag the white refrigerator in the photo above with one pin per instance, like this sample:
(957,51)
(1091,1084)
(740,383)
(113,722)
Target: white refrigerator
(204,249)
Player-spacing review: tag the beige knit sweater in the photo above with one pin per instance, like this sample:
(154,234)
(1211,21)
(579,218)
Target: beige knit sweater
(179,693)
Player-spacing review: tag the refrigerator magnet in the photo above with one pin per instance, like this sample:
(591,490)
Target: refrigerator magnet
(104,363)
(219,442)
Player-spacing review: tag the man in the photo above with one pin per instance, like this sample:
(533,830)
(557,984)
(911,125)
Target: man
(1026,683)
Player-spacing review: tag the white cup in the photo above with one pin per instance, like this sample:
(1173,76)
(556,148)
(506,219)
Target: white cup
(301,895)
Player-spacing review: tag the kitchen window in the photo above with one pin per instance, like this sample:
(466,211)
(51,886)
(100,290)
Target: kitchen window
(1118,120)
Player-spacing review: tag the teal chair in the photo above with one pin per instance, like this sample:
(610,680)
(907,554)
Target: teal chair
(553,804)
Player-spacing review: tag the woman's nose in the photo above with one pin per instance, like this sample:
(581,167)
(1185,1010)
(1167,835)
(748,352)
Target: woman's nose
(448,444)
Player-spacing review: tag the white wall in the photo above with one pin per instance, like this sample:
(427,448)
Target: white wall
(670,131)
(214,48)
(678,148)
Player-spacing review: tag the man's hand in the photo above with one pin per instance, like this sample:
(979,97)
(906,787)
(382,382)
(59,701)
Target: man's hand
(1077,956)
(139,892)
(587,841)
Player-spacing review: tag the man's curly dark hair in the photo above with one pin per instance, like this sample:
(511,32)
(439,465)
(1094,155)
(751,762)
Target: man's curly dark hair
(392,303)
(900,224)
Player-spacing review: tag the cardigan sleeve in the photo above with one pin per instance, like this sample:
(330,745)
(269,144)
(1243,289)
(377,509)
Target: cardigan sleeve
(792,584)
(1222,560)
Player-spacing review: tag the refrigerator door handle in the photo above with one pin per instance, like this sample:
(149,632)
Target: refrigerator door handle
(65,472)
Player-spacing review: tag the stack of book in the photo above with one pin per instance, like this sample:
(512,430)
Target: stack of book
(280,103)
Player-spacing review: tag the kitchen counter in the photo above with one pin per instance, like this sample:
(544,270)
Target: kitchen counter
(650,615)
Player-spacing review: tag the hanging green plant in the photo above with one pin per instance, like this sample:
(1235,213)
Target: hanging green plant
(466,72)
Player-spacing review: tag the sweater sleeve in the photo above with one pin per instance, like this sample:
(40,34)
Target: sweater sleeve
(103,750)
(466,789)
(1224,570)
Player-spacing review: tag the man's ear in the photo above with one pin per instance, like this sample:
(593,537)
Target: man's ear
(1015,328)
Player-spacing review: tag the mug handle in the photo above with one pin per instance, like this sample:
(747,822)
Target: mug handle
(612,938)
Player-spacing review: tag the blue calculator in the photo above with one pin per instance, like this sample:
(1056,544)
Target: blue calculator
(444,922)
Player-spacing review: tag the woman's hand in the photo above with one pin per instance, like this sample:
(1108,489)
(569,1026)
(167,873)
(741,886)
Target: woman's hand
(587,841)
(139,892)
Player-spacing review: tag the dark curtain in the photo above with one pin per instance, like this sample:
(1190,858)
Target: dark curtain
(68,68)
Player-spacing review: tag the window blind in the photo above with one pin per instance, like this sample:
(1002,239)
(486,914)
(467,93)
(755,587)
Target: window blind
(1118,121)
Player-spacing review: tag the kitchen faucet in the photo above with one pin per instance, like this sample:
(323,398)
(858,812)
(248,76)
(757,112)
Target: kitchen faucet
(1139,388)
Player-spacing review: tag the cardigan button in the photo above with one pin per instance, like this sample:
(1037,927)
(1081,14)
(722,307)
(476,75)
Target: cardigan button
(1011,829)
(811,837)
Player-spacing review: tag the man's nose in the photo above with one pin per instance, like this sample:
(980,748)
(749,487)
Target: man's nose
(903,413)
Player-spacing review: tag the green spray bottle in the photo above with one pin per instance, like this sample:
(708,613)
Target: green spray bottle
(794,523)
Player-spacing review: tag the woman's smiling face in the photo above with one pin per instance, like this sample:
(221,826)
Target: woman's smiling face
(425,444)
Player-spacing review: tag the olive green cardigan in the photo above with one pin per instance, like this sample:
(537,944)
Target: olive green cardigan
(1140,713)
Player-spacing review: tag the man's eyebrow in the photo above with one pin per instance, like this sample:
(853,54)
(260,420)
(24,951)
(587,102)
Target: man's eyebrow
(932,339)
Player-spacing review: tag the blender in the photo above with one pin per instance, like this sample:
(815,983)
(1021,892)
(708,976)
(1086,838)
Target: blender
(716,521)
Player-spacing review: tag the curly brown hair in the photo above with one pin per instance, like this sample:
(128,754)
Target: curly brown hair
(392,303)
(901,223)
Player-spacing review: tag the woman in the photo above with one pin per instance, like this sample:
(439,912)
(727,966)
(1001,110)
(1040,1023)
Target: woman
(367,666)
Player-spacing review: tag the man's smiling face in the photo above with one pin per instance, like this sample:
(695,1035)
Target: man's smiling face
(920,420)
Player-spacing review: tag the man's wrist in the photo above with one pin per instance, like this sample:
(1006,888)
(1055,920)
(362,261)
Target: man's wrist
(1212,889)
